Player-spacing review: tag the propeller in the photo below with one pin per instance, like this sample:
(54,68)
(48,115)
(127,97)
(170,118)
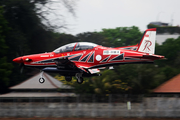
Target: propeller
(21,67)
(20,61)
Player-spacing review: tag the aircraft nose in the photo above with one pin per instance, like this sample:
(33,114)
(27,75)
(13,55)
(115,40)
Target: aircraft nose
(18,60)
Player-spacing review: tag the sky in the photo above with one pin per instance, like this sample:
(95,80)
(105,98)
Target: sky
(94,15)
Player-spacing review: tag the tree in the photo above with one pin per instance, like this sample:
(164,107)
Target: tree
(52,13)
(31,29)
(108,83)
(141,78)
(5,67)
(170,49)
(122,36)
(60,39)
(94,37)
(29,34)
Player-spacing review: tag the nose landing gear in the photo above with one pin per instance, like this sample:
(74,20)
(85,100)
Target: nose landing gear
(41,79)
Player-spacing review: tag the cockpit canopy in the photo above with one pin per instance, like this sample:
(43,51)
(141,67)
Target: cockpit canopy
(78,46)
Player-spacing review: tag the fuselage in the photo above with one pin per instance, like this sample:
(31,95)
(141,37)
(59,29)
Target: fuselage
(98,56)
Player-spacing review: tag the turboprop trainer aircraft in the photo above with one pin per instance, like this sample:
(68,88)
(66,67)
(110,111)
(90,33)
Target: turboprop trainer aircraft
(84,59)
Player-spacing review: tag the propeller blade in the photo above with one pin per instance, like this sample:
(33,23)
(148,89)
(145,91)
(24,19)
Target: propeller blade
(21,67)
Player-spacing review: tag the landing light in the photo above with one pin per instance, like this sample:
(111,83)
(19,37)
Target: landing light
(27,59)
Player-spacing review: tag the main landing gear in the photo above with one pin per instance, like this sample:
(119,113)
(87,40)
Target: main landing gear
(79,78)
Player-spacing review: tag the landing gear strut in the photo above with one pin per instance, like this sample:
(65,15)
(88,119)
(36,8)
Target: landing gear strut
(79,78)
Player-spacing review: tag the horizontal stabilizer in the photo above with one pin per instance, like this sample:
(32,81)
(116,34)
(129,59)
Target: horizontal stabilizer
(153,57)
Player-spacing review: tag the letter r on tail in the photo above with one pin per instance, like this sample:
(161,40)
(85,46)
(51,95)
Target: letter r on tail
(147,44)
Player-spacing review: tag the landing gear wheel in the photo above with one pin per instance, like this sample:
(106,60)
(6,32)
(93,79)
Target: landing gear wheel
(68,78)
(41,80)
(80,80)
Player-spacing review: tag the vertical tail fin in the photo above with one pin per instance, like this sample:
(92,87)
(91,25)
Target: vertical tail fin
(147,43)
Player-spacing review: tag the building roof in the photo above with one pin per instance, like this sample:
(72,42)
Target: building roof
(33,83)
(171,86)
(159,23)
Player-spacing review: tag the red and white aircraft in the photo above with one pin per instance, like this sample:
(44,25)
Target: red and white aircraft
(83,59)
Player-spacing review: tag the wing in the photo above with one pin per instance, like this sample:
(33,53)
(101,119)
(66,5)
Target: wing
(67,67)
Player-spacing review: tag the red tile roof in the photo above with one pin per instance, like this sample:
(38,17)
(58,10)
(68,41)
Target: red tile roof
(170,86)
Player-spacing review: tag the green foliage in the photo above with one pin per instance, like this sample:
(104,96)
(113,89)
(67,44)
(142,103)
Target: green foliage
(5,71)
(24,24)
(171,50)
(108,83)
(60,39)
(26,33)
(85,87)
(140,77)
(122,36)
(3,29)
(93,37)
(5,67)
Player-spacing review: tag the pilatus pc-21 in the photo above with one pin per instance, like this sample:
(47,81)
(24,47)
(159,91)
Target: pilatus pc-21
(84,59)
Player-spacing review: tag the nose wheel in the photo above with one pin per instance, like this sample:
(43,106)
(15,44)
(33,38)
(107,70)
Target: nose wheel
(41,79)
(79,78)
